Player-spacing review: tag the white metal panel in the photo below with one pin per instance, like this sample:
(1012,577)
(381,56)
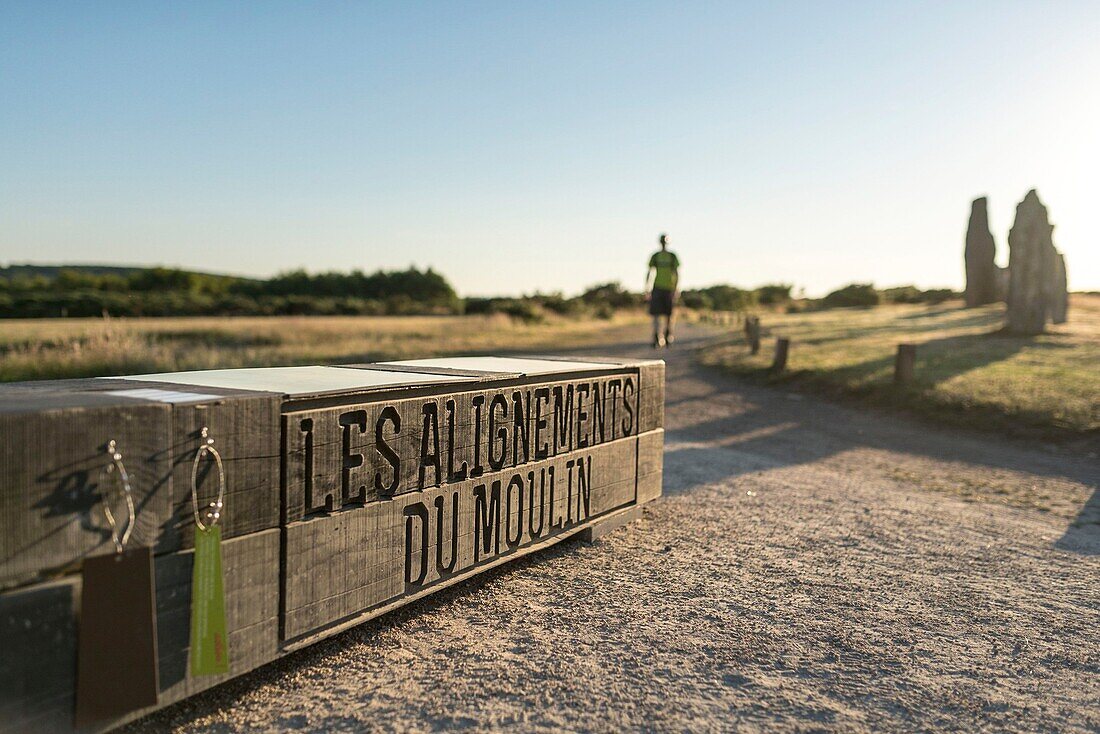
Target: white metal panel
(522,365)
(297,380)
(163,396)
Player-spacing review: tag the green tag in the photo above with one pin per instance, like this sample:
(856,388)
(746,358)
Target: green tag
(209,642)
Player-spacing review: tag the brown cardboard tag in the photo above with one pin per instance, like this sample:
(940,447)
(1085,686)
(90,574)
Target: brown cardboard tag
(117,654)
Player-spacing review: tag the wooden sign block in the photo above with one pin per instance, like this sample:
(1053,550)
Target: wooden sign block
(371,487)
(349,491)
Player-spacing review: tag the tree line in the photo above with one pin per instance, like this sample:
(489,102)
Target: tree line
(40,291)
(173,292)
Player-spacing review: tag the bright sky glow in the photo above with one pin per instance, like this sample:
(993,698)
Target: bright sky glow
(543,146)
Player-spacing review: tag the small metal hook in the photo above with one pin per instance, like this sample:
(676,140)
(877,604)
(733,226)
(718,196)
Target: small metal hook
(214,509)
(116,465)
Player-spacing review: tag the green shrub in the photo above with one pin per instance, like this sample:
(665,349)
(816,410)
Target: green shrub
(772,294)
(912,294)
(902,294)
(523,310)
(612,295)
(480,306)
(556,303)
(697,300)
(718,298)
(939,295)
(856,294)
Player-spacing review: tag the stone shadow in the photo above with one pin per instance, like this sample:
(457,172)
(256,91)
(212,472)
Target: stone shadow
(1083,534)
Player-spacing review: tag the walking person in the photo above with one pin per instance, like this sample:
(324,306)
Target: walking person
(661,279)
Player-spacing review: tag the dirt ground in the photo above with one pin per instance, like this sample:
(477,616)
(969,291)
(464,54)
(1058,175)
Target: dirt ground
(811,567)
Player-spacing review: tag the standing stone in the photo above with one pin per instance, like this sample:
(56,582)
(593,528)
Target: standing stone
(1031,263)
(1059,305)
(981,270)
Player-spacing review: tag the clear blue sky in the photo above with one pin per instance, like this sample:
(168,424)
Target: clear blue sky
(518,146)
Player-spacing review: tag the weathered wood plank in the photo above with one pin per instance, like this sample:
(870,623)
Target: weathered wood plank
(651,397)
(38,657)
(347,455)
(53,484)
(245,428)
(481,375)
(38,628)
(611,523)
(651,451)
(251,577)
(350,622)
(344,563)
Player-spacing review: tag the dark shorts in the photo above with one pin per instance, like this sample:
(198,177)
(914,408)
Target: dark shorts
(660,302)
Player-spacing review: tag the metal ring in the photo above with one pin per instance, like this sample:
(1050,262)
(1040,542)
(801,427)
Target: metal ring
(124,478)
(214,510)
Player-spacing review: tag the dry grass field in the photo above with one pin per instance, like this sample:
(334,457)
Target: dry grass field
(35,349)
(967,372)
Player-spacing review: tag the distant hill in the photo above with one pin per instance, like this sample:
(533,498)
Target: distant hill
(51,271)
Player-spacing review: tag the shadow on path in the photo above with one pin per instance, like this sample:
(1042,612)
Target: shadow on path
(1083,534)
(719,427)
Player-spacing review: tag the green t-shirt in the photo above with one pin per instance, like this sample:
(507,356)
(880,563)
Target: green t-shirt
(666,264)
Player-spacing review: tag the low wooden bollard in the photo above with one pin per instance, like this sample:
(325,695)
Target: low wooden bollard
(349,491)
(905,364)
(752,333)
(782,347)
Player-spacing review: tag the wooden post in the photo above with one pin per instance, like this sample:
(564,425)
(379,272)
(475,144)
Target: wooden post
(782,346)
(752,333)
(904,364)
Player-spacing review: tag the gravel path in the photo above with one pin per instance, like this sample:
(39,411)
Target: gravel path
(811,567)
